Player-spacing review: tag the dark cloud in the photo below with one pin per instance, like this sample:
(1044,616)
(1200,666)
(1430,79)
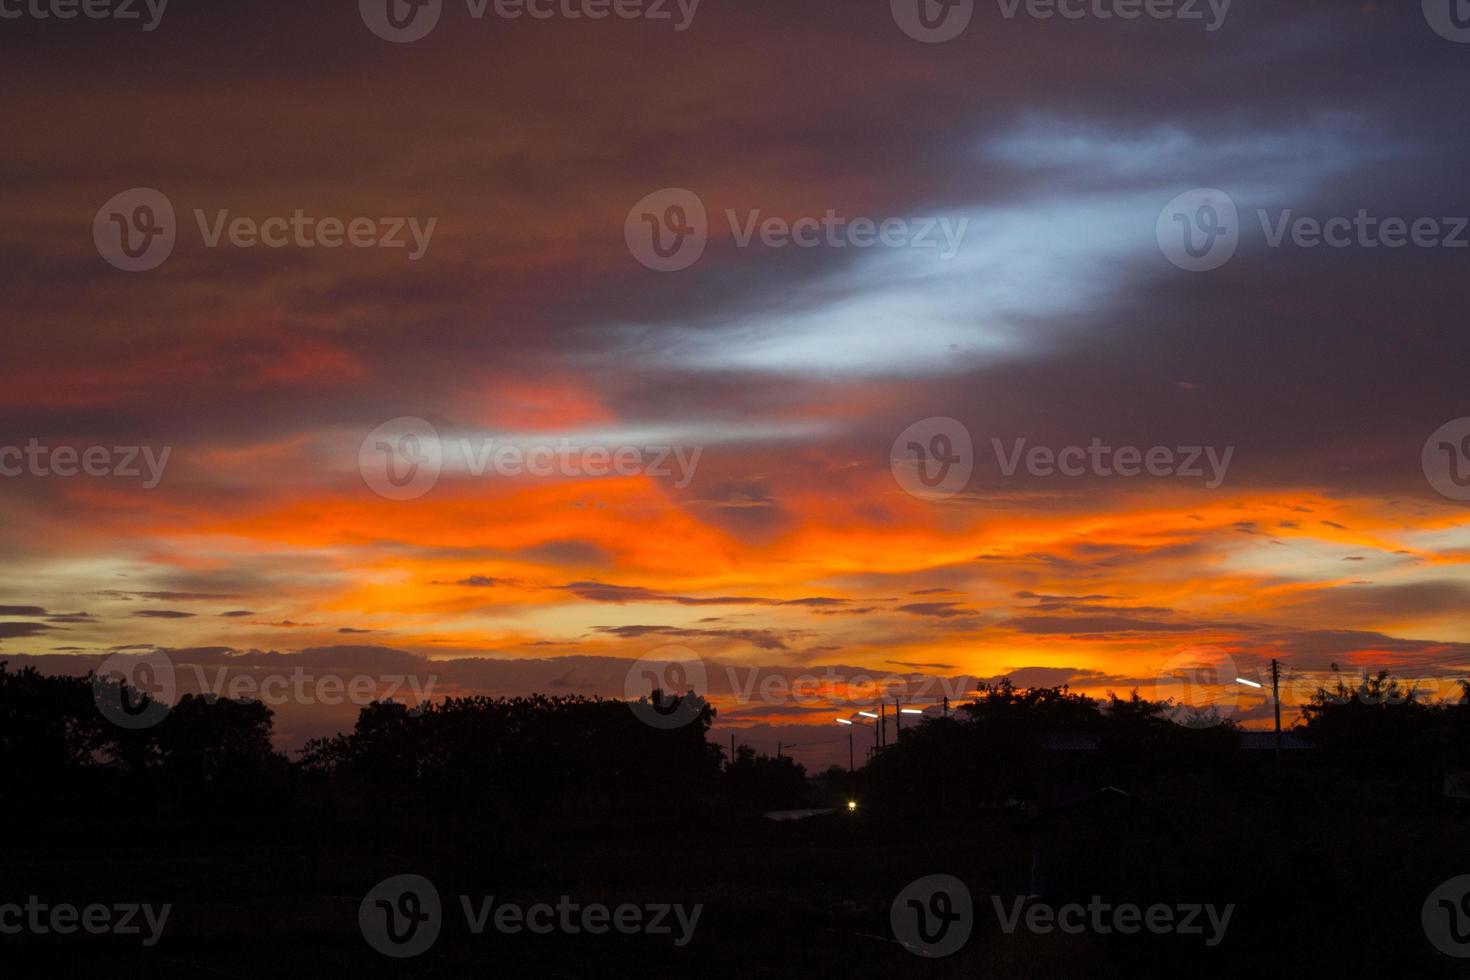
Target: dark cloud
(1083,625)
(15,631)
(939,610)
(620,594)
(764,639)
(1367,604)
(170,596)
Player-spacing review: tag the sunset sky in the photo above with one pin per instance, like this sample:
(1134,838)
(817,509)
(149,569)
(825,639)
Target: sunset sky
(792,370)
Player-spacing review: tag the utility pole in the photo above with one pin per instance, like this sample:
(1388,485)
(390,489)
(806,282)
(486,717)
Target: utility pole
(732,748)
(778,751)
(882,723)
(850,768)
(1276,699)
(897,717)
(946,706)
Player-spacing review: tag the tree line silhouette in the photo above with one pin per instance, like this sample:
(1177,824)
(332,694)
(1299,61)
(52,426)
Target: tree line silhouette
(586,759)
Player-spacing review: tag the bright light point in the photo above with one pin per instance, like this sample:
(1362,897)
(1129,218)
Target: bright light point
(843,721)
(867,714)
(913,711)
(1242,680)
(851,805)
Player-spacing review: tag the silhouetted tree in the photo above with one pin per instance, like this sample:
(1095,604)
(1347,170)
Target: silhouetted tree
(763,782)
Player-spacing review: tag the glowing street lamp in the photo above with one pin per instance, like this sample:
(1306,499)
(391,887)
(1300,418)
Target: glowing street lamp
(850,724)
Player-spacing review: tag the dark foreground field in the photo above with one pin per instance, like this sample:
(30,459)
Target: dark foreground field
(1324,883)
(1032,833)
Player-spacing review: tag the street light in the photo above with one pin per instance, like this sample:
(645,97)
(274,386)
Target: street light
(1275,700)
(850,724)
